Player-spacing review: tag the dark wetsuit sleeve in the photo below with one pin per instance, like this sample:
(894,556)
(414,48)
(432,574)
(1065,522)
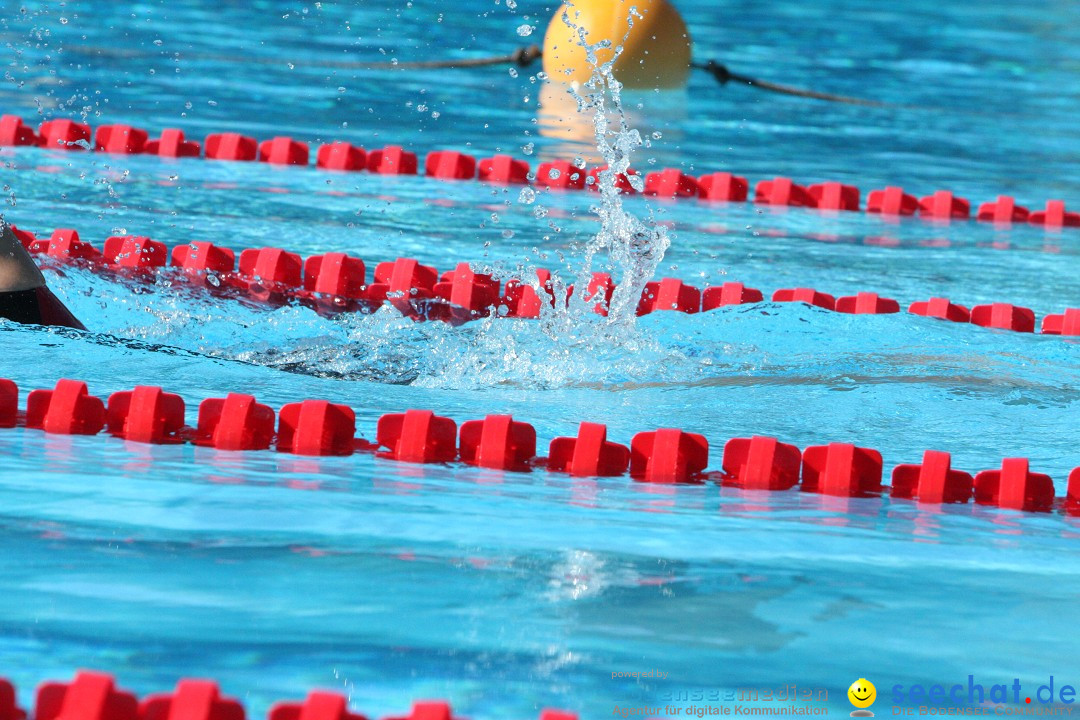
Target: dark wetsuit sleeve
(37,307)
(21,306)
(54,312)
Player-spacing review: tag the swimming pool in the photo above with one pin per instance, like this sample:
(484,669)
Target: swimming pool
(508,592)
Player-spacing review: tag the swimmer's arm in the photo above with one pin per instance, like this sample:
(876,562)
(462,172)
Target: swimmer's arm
(17,269)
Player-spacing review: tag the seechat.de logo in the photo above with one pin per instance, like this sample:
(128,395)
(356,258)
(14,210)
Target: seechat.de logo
(862,695)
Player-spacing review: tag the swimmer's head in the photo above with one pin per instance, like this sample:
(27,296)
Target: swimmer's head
(656,48)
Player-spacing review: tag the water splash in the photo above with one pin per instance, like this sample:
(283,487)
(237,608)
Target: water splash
(571,344)
(634,248)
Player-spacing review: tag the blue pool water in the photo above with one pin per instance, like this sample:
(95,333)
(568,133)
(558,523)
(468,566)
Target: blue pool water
(509,592)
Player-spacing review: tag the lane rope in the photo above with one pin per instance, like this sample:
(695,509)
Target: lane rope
(723,76)
(94,695)
(668,456)
(941,206)
(335,282)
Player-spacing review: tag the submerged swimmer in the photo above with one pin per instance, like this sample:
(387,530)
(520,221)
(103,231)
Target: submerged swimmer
(24,298)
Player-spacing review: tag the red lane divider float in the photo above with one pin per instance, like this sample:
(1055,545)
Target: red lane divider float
(336,282)
(932,481)
(9,710)
(235,422)
(146,414)
(317,706)
(9,404)
(172,144)
(942,205)
(195,699)
(589,454)
(668,455)
(67,410)
(417,436)
(761,463)
(95,696)
(499,442)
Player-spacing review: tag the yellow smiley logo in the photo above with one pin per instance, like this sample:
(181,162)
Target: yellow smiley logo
(862,693)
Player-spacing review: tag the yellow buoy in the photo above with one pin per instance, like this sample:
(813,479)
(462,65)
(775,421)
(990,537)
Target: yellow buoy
(656,50)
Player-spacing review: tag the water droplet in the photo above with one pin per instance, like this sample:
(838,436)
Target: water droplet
(657,135)
(527,196)
(513,72)
(525,30)
(528,148)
